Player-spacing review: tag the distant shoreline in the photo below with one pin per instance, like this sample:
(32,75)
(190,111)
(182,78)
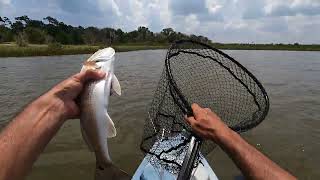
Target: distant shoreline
(12,50)
(272,47)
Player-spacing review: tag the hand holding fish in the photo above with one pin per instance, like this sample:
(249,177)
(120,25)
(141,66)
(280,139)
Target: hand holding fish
(66,93)
(27,135)
(22,141)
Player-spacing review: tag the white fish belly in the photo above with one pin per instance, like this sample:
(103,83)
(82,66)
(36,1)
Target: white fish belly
(94,121)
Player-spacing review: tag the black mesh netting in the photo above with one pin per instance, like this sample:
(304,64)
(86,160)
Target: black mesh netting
(197,73)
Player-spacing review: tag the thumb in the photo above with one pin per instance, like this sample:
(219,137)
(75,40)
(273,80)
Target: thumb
(90,75)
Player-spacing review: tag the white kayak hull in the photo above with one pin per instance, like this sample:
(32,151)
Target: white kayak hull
(146,171)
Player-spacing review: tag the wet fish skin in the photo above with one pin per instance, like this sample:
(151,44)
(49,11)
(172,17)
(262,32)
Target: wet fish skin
(96,124)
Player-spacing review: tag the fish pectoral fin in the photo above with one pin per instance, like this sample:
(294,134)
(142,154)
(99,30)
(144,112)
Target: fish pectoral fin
(85,137)
(115,85)
(111,130)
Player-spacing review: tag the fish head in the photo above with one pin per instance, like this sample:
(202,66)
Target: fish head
(102,59)
(91,65)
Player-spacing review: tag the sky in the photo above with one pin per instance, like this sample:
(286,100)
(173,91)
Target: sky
(240,21)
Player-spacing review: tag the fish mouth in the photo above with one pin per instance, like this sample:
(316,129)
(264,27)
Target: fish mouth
(101,59)
(96,61)
(91,65)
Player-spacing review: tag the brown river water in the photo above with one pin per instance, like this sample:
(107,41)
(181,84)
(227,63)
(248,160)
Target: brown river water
(290,135)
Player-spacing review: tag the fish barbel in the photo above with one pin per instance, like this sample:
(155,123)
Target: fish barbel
(96,124)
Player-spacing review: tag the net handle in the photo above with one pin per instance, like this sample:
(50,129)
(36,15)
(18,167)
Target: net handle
(189,159)
(195,143)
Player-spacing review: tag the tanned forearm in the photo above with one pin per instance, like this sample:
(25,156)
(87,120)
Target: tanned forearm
(252,163)
(26,137)
(22,141)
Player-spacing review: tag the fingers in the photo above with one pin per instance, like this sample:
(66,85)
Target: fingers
(195,125)
(72,86)
(197,110)
(191,120)
(207,109)
(89,75)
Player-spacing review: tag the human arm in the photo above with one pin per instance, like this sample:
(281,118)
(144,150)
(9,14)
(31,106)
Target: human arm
(22,141)
(252,163)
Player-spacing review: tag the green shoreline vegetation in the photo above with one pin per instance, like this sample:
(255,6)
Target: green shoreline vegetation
(12,50)
(28,37)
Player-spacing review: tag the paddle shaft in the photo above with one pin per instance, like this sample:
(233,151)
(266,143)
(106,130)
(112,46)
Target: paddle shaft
(190,157)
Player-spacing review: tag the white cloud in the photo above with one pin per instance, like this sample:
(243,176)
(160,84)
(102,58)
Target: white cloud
(105,5)
(192,23)
(292,7)
(115,8)
(213,6)
(308,3)
(165,13)
(221,20)
(154,14)
(4,5)
(237,24)
(5,2)
(139,13)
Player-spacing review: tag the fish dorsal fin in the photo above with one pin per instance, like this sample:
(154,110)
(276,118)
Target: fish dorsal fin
(115,85)
(111,130)
(85,137)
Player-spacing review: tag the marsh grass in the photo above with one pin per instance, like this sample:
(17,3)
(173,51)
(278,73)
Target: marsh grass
(12,50)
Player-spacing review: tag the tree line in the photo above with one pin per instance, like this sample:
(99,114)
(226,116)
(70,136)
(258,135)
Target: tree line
(24,30)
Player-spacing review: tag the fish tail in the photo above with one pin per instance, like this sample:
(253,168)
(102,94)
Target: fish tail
(110,171)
